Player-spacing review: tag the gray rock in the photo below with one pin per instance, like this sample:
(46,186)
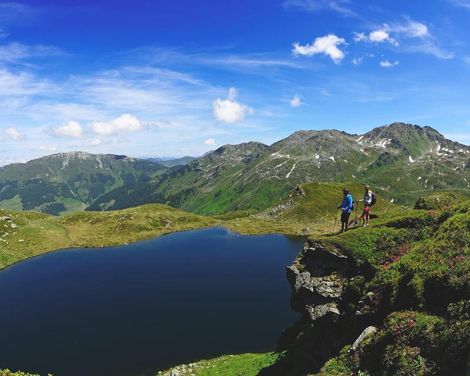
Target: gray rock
(367,332)
(329,286)
(317,311)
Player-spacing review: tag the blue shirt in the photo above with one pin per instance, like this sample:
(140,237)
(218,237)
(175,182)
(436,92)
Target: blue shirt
(347,204)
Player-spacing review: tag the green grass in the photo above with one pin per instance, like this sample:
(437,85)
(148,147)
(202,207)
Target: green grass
(227,365)
(30,233)
(12,203)
(7,372)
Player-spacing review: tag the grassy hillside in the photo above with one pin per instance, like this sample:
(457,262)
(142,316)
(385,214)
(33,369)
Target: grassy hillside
(28,234)
(228,365)
(412,282)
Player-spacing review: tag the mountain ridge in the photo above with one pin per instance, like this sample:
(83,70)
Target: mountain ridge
(400,160)
(388,156)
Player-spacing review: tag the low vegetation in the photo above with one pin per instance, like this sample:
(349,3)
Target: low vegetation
(227,365)
(413,284)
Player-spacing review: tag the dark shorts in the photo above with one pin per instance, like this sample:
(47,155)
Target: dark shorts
(345,217)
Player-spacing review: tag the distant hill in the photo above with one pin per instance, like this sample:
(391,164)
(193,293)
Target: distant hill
(172,162)
(402,161)
(69,181)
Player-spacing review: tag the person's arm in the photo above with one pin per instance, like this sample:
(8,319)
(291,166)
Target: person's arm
(350,203)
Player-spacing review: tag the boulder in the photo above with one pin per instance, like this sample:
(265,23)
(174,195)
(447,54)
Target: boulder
(367,332)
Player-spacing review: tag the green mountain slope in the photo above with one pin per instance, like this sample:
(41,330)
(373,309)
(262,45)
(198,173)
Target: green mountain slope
(402,161)
(69,181)
(172,162)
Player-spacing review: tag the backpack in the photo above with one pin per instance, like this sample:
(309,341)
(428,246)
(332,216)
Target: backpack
(374,199)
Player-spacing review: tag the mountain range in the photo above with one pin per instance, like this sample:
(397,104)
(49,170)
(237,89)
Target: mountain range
(401,161)
(69,181)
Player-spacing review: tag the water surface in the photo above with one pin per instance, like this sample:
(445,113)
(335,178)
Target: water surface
(139,308)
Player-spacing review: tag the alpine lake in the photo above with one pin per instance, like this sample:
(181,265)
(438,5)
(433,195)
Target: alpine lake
(143,307)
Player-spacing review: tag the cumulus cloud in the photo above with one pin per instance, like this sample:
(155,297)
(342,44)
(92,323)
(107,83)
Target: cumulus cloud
(126,123)
(210,142)
(13,134)
(71,129)
(295,101)
(229,110)
(415,36)
(388,64)
(326,45)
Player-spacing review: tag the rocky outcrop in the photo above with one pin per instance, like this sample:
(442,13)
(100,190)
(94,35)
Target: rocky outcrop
(319,279)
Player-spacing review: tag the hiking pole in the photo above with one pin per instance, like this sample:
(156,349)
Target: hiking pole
(357,218)
(336,220)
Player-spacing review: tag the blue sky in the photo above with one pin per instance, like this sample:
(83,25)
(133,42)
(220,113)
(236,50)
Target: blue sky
(174,78)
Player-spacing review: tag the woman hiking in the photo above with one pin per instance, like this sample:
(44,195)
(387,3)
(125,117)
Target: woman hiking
(368,200)
(347,207)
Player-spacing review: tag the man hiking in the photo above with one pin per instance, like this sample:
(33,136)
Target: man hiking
(347,207)
(369,200)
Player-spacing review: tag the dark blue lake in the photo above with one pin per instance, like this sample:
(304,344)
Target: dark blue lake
(135,309)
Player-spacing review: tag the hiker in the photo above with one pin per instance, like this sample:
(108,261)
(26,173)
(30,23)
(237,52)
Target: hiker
(347,207)
(368,200)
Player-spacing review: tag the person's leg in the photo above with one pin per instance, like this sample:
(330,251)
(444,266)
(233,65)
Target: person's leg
(363,216)
(346,222)
(366,216)
(343,221)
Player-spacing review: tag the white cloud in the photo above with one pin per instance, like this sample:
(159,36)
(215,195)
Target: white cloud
(295,101)
(71,129)
(357,60)
(229,110)
(415,35)
(409,28)
(360,37)
(13,52)
(315,6)
(210,142)
(327,45)
(22,84)
(48,148)
(461,3)
(122,124)
(388,64)
(95,142)
(376,36)
(429,47)
(14,134)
